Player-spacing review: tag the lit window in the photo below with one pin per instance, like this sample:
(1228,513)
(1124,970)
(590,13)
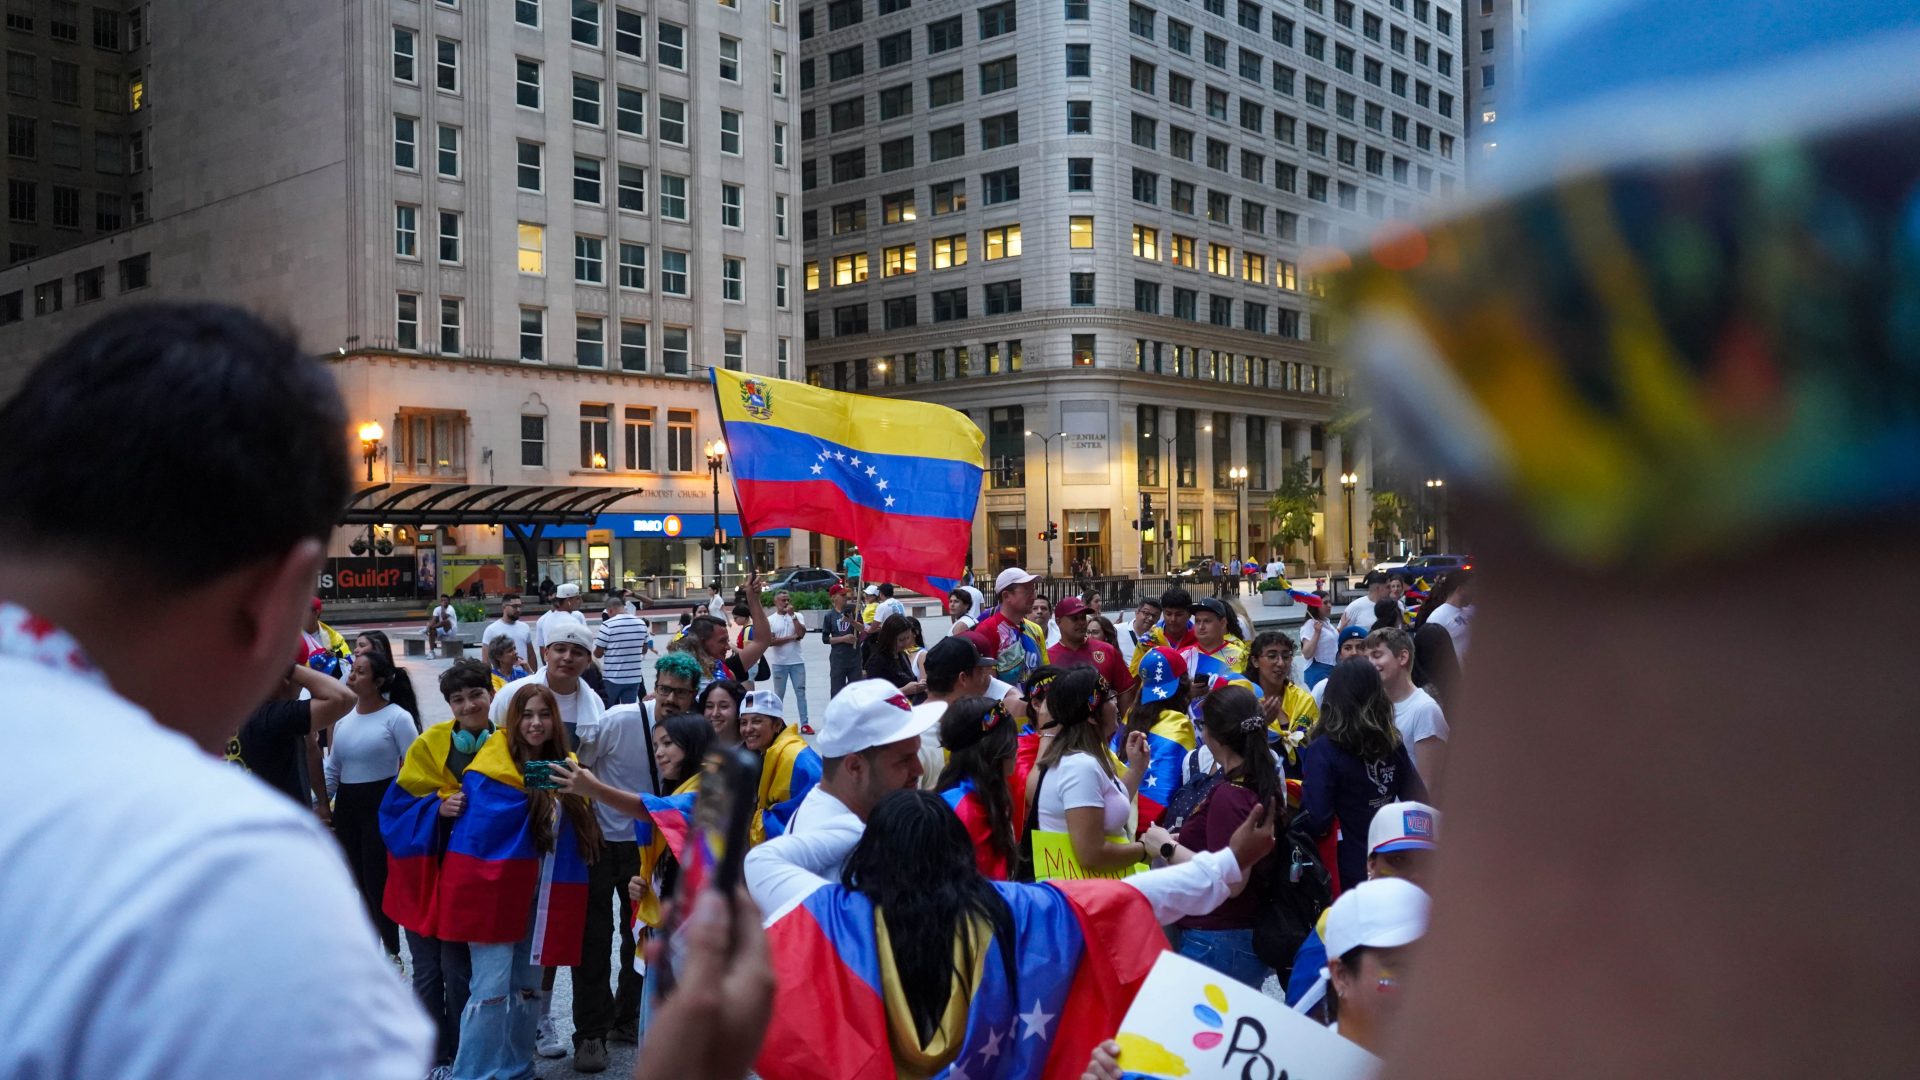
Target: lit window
(850,269)
(949,251)
(1146,242)
(904,259)
(1080,232)
(1003,242)
(533,248)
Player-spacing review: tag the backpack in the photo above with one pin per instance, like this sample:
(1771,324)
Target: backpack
(1293,888)
(1194,788)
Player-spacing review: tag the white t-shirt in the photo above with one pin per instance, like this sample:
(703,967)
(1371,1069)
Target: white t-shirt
(1275,569)
(1326,648)
(369,746)
(1457,621)
(1053,633)
(718,607)
(783,625)
(583,706)
(888,607)
(825,818)
(520,632)
(453,617)
(618,747)
(1361,611)
(154,962)
(1075,781)
(1419,717)
(546,622)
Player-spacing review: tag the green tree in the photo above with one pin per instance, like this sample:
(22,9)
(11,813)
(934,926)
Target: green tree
(1293,505)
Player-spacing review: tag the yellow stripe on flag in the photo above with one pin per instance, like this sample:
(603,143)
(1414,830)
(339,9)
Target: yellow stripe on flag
(856,421)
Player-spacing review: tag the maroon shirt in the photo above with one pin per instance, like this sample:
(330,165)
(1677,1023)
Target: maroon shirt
(1097,655)
(1207,829)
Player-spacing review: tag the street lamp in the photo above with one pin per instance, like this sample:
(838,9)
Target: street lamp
(1349,481)
(1237,480)
(1051,532)
(370,435)
(717,464)
(1436,489)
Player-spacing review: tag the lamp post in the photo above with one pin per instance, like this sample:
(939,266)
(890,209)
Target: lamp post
(1348,481)
(1237,480)
(370,435)
(1436,490)
(717,464)
(1046,483)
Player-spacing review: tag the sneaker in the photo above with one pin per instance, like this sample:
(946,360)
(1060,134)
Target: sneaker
(590,1056)
(547,1042)
(628,1034)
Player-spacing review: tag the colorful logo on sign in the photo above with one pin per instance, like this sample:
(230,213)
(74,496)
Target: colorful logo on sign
(757,398)
(671,525)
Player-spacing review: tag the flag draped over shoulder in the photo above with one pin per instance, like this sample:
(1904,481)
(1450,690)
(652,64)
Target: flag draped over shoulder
(788,770)
(410,823)
(1082,949)
(899,478)
(661,832)
(1168,742)
(493,877)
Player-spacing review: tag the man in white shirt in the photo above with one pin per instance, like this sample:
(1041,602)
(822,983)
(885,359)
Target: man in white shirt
(1361,612)
(136,885)
(783,652)
(621,646)
(869,745)
(1456,614)
(509,625)
(888,605)
(566,609)
(1276,569)
(568,653)
(444,621)
(1423,727)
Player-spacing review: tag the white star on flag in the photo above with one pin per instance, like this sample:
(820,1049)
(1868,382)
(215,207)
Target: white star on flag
(1036,1021)
(889,500)
(856,460)
(839,456)
(816,470)
(883,485)
(870,469)
(992,1049)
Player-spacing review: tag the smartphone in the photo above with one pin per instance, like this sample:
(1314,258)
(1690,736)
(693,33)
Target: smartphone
(538,777)
(722,815)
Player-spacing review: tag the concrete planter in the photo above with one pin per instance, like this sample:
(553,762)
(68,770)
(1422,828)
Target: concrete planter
(1276,598)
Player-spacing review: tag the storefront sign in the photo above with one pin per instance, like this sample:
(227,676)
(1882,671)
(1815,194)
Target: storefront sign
(657,525)
(366,579)
(1083,454)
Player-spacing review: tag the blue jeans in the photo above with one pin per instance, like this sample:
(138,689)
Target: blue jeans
(797,673)
(1317,671)
(497,1026)
(622,693)
(1229,952)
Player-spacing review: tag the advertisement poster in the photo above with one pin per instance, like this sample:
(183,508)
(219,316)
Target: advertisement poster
(1192,1022)
(366,578)
(459,574)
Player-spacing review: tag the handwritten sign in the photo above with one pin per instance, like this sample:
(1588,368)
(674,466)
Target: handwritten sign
(1191,1022)
(1053,858)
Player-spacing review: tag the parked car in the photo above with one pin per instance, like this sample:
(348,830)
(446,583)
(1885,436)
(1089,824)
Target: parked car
(1199,568)
(802,579)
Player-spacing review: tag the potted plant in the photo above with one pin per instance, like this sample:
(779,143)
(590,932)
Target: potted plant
(1275,592)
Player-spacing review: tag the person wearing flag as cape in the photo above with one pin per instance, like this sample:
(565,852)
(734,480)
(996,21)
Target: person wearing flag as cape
(513,883)
(1174,630)
(920,966)
(789,768)
(1218,648)
(1161,713)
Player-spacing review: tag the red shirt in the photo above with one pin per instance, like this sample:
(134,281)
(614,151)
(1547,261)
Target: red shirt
(1097,655)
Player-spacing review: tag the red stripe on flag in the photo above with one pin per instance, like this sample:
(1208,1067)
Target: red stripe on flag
(412,882)
(828,1023)
(906,549)
(566,925)
(1113,964)
(485,900)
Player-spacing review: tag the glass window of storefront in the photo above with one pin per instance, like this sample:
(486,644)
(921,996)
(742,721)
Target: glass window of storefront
(1009,535)
(1086,538)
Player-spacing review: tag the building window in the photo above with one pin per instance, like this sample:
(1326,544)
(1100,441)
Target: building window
(729,132)
(950,142)
(589,260)
(450,326)
(89,285)
(586,22)
(639,419)
(672,46)
(529,165)
(897,207)
(895,49)
(733,279)
(406,141)
(590,341)
(48,297)
(1079,174)
(673,121)
(949,197)
(586,180)
(136,272)
(533,334)
(633,266)
(729,58)
(596,422)
(1003,242)
(1000,187)
(1080,289)
(896,101)
(780,297)
(533,441)
(674,361)
(944,34)
(850,269)
(446,65)
(673,197)
(1079,117)
(406,231)
(949,251)
(673,272)
(949,305)
(406,329)
(406,48)
(901,260)
(632,193)
(633,357)
(901,313)
(996,20)
(450,237)
(849,320)
(447,162)
(1080,231)
(730,205)
(680,422)
(998,75)
(533,248)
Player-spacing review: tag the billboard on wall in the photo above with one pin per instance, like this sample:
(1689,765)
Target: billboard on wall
(367,579)
(460,573)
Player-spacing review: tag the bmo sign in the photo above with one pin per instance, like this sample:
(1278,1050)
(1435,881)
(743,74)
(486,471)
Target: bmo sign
(662,525)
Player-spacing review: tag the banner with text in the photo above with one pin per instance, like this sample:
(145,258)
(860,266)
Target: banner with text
(1053,858)
(366,579)
(1190,1021)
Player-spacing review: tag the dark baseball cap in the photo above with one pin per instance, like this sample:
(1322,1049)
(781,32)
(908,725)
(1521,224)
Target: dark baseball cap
(953,657)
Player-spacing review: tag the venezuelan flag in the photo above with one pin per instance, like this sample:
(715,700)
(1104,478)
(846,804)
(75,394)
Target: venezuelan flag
(788,770)
(899,478)
(410,823)
(493,875)
(971,809)
(1168,742)
(1081,950)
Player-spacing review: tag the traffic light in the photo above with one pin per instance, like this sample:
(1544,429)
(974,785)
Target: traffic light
(1053,530)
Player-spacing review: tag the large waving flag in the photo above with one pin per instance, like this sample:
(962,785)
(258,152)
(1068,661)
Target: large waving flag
(410,823)
(1168,743)
(493,875)
(899,478)
(1081,951)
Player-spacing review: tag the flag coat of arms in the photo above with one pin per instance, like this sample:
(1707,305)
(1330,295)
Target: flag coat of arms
(899,478)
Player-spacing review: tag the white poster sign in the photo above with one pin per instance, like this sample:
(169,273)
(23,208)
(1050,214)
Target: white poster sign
(1084,442)
(1191,1022)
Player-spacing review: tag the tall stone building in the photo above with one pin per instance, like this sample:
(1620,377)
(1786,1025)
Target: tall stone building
(1087,225)
(522,230)
(1496,50)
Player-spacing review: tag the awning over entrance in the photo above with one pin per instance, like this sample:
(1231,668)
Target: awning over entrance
(529,505)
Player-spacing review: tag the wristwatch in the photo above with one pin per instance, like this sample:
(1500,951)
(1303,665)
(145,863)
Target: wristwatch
(1166,850)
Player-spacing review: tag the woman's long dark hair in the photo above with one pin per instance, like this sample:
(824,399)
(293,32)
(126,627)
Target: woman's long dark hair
(915,864)
(379,640)
(579,813)
(1232,716)
(394,684)
(1263,641)
(693,735)
(980,753)
(1073,708)
(1386,613)
(1357,714)
(725,686)
(887,639)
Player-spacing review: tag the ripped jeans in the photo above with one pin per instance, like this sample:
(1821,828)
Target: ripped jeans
(497,1026)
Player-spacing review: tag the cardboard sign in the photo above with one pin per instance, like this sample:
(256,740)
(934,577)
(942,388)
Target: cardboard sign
(1053,858)
(1191,1022)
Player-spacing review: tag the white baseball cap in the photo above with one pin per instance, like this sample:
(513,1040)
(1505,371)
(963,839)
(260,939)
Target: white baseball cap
(571,632)
(764,703)
(872,590)
(1381,913)
(870,713)
(1010,577)
(1403,826)
(567,591)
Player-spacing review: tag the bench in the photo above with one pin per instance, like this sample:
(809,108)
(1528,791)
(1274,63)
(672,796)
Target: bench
(414,642)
